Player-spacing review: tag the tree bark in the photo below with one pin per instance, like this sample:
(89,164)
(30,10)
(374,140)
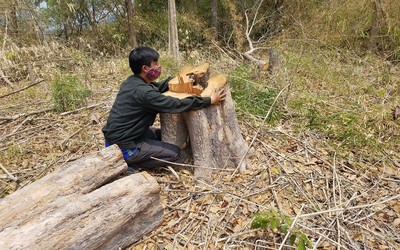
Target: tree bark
(131,26)
(214,18)
(214,133)
(236,19)
(174,130)
(373,41)
(81,207)
(14,20)
(173,40)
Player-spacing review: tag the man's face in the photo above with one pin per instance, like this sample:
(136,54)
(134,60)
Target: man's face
(153,65)
(153,72)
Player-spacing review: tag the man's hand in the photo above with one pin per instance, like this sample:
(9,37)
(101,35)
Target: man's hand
(218,96)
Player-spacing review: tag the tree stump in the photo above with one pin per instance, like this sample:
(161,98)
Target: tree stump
(214,133)
(82,206)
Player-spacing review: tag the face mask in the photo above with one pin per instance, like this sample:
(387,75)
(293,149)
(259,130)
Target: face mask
(153,73)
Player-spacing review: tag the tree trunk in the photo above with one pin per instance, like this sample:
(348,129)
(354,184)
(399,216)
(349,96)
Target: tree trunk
(214,18)
(14,20)
(81,207)
(173,40)
(215,137)
(236,19)
(214,133)
(131,26)
(174,131)
(373,41)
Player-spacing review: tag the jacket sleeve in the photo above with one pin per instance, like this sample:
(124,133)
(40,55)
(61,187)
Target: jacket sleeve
(154,101)
(163,85)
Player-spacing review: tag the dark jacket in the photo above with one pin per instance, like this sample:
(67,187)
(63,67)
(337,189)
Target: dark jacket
(135,109)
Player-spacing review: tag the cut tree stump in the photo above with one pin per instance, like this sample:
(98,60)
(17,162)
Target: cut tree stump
(84,205)
(213,132)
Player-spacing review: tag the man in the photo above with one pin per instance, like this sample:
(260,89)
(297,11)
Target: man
(136,106)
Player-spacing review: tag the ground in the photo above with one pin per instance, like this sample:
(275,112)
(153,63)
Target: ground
(336,201)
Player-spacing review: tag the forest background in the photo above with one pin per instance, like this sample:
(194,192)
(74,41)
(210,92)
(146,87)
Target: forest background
(316,85)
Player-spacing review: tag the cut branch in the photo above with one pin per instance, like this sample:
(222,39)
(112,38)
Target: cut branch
(4,77)
(19,90)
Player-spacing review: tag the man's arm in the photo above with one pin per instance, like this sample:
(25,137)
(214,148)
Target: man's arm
(154,101)
(163,85)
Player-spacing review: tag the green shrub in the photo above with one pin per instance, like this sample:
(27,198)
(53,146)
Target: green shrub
(249,94)
(68,93)
(280,224)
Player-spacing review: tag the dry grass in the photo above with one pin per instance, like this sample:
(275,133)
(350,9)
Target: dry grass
(344,194)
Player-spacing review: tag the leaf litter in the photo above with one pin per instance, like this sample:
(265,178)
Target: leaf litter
(338,202)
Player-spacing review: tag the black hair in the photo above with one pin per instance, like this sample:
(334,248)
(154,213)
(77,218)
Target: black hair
(142,56)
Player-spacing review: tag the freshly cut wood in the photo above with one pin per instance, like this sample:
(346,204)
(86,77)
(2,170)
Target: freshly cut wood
(84,205)
(214,83)
(214,133)
(190,80)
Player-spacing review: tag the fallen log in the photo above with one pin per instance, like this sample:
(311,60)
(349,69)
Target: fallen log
(85,205)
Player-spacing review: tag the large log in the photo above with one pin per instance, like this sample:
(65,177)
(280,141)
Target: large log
(85,205)
(215,137)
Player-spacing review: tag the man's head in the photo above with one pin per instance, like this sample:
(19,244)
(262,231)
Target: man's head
(142,56)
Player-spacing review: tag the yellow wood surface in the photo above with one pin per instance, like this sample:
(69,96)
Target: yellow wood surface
(214,83)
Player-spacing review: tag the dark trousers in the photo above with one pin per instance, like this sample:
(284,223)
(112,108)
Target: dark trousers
(153,147)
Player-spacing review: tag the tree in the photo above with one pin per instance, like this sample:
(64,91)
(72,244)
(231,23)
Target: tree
(132,31)
(14,19)
(375,28)
(173,40)
(214,18)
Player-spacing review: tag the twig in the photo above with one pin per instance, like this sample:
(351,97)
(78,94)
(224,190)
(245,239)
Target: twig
(274,192)
(258,131)
(390,158)
(291,227)
(361,219)
(77,110)
(55,161)
(12,177)
(20,125)
(351,208)
(4,77)
(238,234)
(15,117)
(173,172)
(189,165)
(322,235)
(216,45)
(19,90)
(28,130)
(62,144)
(5,32)
(334,182)
(233,195)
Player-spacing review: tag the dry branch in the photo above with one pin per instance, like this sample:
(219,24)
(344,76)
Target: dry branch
(19,90)
(12,177)
(15,117)
(4,77)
